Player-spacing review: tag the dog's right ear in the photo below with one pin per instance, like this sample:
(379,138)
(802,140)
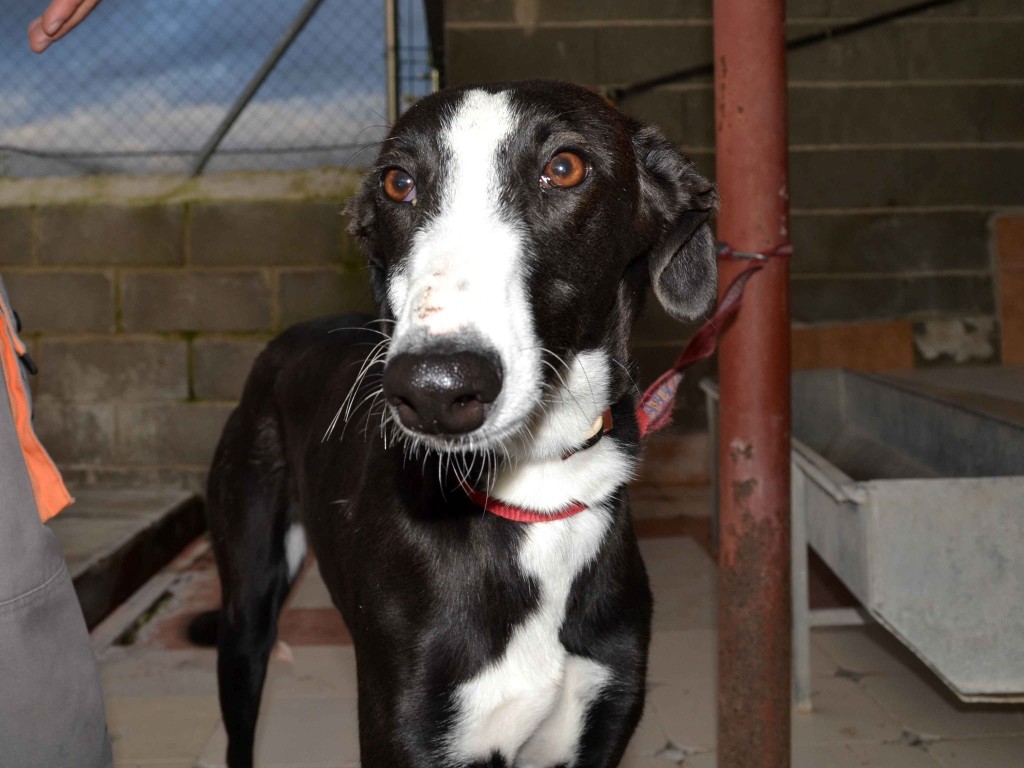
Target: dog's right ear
(677,202)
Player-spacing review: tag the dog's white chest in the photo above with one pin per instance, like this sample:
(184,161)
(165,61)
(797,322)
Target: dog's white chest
(530,705)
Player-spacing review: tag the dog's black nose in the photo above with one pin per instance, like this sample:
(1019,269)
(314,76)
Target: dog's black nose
(442,393)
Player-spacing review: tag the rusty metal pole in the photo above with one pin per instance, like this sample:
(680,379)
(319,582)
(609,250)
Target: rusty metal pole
(754,656)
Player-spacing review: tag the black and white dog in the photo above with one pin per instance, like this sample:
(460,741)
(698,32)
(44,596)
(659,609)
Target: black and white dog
(511,231)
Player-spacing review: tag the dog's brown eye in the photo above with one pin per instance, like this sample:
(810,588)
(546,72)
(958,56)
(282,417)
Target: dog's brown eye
(566,169)
(399,185)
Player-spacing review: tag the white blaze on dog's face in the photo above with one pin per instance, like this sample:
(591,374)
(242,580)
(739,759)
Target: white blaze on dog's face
(465,276)
(477,251)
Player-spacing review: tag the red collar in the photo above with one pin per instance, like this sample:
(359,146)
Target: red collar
(520,514)
(523,515)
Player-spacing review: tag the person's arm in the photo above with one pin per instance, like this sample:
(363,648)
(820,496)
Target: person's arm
(57,20)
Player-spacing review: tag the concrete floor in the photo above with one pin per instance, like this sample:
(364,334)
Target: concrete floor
(875,705)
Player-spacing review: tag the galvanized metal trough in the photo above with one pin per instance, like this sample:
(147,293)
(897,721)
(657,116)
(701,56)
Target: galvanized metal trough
(918,506)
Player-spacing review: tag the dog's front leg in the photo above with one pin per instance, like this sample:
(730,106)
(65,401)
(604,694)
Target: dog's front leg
(624,625)
(610,724)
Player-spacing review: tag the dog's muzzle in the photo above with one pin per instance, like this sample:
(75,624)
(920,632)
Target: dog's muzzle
(442,393)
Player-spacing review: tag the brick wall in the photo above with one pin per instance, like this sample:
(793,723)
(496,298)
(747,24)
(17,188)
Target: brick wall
(1009,265)
(905,140)
(144,305)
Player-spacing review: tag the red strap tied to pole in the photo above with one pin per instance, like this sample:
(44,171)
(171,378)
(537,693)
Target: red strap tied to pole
(655,409)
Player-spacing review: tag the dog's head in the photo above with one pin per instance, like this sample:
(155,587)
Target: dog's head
(512,231)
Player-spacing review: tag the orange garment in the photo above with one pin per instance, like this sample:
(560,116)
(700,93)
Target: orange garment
(47,485)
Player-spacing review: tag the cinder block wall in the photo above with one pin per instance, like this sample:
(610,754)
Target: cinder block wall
(905,140)
(144,304)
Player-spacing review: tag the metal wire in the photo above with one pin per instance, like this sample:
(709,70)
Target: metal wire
(622,93)
(143,85)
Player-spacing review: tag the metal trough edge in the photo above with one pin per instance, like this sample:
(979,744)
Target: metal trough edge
(829,478)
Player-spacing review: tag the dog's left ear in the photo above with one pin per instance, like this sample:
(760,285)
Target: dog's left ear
(676,202)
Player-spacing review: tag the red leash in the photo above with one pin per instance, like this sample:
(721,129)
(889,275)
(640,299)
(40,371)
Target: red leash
(655,408)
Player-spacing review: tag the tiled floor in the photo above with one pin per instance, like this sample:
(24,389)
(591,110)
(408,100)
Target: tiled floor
(875,705)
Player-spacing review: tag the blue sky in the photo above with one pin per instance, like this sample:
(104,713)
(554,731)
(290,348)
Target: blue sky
(159,74)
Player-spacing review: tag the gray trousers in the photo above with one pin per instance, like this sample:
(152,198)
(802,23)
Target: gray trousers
(51,705)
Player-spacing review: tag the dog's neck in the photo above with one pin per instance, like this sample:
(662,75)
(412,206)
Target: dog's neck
(548,484)
(552,464)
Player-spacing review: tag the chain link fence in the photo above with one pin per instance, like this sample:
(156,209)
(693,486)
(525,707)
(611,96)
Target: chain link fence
(143,86)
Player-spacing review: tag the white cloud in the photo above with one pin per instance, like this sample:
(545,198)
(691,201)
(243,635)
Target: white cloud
(147,122)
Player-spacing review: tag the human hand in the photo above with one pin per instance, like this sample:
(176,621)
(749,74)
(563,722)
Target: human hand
(57,20)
